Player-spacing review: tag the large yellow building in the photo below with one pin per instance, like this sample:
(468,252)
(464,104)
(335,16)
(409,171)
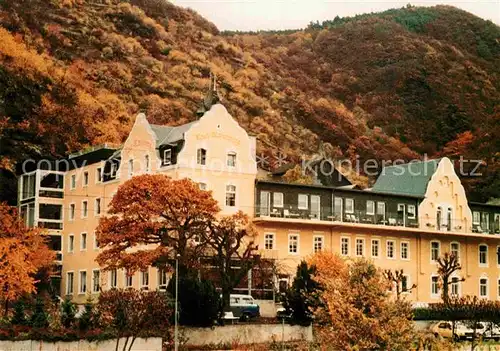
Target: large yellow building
(412,215)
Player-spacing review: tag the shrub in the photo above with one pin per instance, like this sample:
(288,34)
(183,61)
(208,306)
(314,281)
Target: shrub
(86,320)
(40,318)
(68,313)
(19,317)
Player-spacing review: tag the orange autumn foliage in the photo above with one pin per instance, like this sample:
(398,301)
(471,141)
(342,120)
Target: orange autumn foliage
(23,253)
(151,217)
(358,313)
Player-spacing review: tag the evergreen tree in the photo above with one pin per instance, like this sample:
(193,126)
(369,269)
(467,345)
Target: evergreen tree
(302,296)
(40,318)
(68,313)
(85,322)
(19,317)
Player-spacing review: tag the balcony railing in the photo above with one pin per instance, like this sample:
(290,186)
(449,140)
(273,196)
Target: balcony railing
(394,219)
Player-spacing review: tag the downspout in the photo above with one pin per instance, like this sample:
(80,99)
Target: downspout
(419,263)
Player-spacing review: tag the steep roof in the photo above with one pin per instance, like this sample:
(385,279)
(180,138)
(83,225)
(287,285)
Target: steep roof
(168,134)
(408,179)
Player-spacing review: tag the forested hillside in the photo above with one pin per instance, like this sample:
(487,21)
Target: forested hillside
(390,85)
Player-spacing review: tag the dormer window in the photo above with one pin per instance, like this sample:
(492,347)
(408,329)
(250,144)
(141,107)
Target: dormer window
(167,157)
(231,159)
(201,156)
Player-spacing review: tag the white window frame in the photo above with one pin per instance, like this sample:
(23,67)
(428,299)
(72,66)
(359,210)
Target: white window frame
(229,156)
(383,205)
(98,175)
(93,281)
(130,169)
(72,211)
(160,285)
(71,243)
(72,182)
(80,286)
(85,209)
(95,243)
(96,201)
(199,157)
(412,212)
(438,293)
(363,247)
(85,179)
(438,252)
(167,157)
(68,273)
(378,248)
(278,204)
(459,289)
(142,275)
(297,248)
(231,192)
(474,219)
(451,249)
(111,273)
(82,235)
(203,186)
(407,250)
(487,288)
(271,236)
(408,284)
(486,255)
(126,279)
(348,239)
(318,239)
(347,202)
(393,249)
(302,207)
(372,211)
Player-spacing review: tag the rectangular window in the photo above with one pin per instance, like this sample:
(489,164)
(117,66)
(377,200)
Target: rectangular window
(130,168)
(162,279)
(303,201)
(405,250)
(405,283)
(71,212)
(381,210)
(349,205)
(337,208)
(70,278)
(230,195)
(202,186)
(483,287)
(269,241)
(360,247)
(412,213)
(317,243)
(201,156)
(370,207)
(476,217)
(293,243)
(98,175)
(483,255)
(83,282)
(147,166)
(97,207)
(85,179)
(96,281)
(128,280)
(72,183)
(390,247)
(145,280)
(278,199)
(83,242)
(96,243)
(71,243)
(114,170)
(113,279)
(455,286)
(344,246)
(435,250)
(485,224)
(231,159)
(435,286)
(455,250)
(375,248)
(167,157)
(85,209)
(28,189)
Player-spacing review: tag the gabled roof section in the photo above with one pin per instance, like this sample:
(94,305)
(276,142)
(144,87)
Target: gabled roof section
(408,179)
(168,134)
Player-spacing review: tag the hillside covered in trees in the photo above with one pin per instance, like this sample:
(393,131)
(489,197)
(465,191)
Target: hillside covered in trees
(389,85)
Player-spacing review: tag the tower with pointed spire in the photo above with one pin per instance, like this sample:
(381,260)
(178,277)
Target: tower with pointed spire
(211,98)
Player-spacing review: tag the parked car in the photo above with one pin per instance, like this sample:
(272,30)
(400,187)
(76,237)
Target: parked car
(244,306)
(463,330)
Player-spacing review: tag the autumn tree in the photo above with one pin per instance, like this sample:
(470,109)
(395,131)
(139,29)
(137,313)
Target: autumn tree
(23,253)
(151,219)
(448,265)
(298,175)
(397,278)
(358,313)
(230,240)
(133,313)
